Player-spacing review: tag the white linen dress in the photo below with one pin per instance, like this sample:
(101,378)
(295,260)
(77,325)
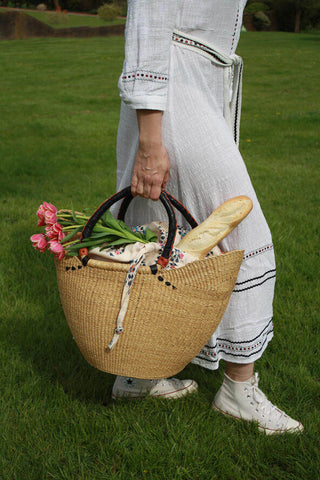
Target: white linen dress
(171,65)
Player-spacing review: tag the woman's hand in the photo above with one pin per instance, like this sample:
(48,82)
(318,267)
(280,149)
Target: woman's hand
(151,168)
(150,171)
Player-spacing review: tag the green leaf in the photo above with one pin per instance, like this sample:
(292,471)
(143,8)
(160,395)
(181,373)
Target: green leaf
(103,234)
(93,244)
(150,236)
(74,216)
(139,235)
(71,253)
(115,224)
(121,241)
(109,231)
(124,226)
(109,220)
(70,235)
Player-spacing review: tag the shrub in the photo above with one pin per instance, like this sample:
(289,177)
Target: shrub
(257,7)
(41,7)
(261,21)
(109,12)
(122,5)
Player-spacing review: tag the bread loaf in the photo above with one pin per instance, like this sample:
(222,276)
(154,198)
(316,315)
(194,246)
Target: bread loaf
(199,241)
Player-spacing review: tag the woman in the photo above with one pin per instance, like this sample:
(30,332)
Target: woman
(179,128)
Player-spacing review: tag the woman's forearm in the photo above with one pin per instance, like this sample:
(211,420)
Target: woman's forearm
(151,168)
(149,122)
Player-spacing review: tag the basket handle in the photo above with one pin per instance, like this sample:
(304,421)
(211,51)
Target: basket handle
(174,202)
(125,193)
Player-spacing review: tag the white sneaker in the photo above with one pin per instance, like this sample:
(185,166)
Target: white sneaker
(244,400)
(125,387)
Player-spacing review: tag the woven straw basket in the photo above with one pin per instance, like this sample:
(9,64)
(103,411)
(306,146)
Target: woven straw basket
(171,313)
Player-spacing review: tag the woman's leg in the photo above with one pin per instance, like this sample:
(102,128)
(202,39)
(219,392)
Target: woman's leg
(239,372)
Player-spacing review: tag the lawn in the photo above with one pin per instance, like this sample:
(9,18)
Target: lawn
(68,20)
(58,122)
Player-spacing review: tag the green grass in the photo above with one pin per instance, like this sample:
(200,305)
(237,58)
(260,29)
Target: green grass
(63,20)
(68,20)
(58,122)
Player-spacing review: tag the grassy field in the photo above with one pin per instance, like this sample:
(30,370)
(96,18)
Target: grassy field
(64,20)
(58,121)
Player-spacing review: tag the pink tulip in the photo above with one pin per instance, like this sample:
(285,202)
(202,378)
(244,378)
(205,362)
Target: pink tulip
(50,217)
(50,233)
(54,232)
(40,214)
(39,242)
(49,207)
(61,236)
(47,214)
(57,249)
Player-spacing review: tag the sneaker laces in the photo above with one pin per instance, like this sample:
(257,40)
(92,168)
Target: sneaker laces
(267,409)
(164,382)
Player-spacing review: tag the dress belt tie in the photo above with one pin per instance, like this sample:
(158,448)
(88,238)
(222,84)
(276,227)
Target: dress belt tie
(232,78)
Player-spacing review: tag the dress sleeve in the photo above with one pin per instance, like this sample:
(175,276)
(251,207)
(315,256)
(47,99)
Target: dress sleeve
(144,79)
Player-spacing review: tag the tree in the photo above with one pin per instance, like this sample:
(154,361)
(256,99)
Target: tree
(56,5)
(299,6)
(294,14)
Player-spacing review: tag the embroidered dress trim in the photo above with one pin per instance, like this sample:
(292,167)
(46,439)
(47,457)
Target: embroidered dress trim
(259,279)
(182,40)
(258,251)
(144,75)
(235,28)
(230,351)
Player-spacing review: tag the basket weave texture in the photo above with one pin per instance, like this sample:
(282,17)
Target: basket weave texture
(170,317)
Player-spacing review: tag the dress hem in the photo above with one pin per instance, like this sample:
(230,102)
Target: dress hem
(211,360)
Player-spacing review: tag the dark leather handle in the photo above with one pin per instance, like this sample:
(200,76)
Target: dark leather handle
(127,196)
(175,203)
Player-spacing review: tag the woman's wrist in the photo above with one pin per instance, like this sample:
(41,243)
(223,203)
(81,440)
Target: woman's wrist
(149,122)
(148,145)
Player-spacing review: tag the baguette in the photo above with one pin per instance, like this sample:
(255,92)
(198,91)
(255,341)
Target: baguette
(199,241)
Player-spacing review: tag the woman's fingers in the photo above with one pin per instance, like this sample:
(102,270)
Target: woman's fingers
(155,189)
(147,188)
(135,184)
(165,180)
(150,172)
(140,187)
